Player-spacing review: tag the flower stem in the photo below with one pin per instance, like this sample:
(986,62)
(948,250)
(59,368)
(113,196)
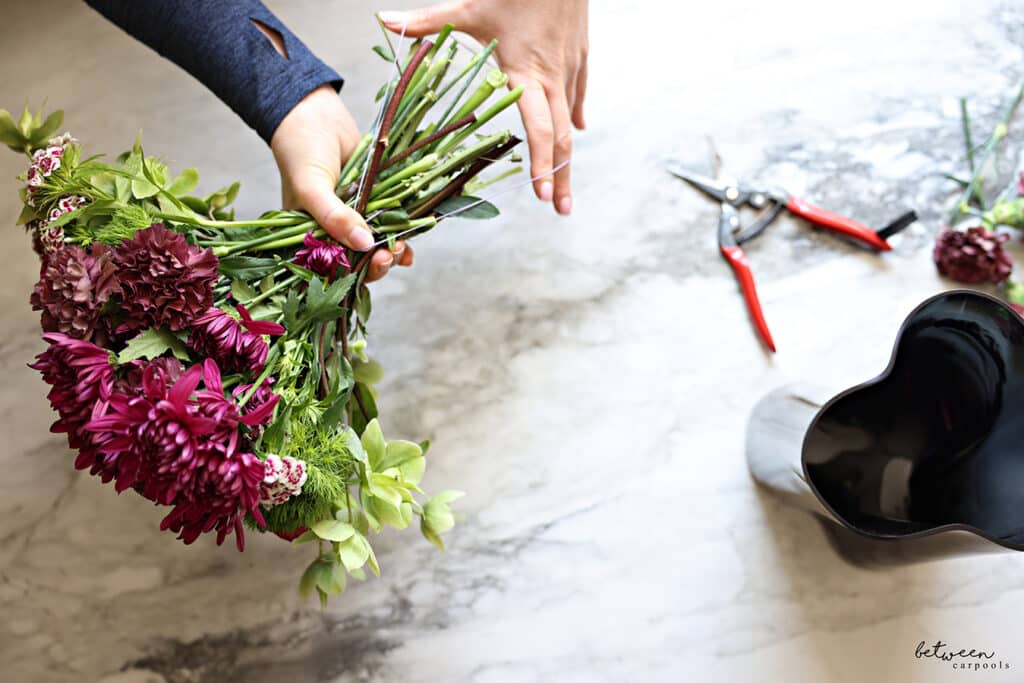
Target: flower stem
(385,125)
(974,187)
(280,238)
(430,139)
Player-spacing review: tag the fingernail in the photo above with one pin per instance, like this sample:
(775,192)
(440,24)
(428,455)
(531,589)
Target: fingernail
(565,206)
(361,239)
(547,190)
(390,17)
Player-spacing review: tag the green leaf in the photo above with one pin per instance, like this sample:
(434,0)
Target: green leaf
(25,123)
(309,578)
(431,535)
(354,552)
(331,579)
(325,304)
(223,197)
(184,183)
(333,530)
(247,267)
(9,134)
(481,211)
(369,372)
(395,217)
(242,291)
(151,344)
(290,309)
(387,489)
(385,52)
(437,510)
(363,304)
(45,131)
(396,452)
(373,442)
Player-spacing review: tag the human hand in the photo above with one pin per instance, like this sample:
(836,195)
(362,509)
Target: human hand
(310,145)
(542,45)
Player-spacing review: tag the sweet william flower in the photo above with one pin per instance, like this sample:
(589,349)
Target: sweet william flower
(165,280)
(323,258)
(73,286)
(282,479)
(972,256)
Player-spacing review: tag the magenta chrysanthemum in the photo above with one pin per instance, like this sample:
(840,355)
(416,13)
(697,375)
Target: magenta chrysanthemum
(74,285)
(237,346)
(323,258)
(81,378)
(178,445)
(165,280)
(972,256)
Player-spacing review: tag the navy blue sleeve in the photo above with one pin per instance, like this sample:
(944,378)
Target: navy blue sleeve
(217,42)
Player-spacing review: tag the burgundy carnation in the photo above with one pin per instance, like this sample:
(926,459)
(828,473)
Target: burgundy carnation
(237,346)
(973,256)
(81,378)
(73,286)
(323,258)
(165,280)
(178,445)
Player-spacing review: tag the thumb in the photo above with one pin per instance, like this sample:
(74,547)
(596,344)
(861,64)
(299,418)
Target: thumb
(426,20)
(339,220)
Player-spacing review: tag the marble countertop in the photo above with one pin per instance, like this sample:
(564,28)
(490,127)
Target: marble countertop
(586,380)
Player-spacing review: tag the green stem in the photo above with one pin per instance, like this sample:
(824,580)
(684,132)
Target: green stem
(357,154)
(974,188)
(268,370)
(287,282)
(284,221)
(260,242)
(471,69)
(455,162)
(506,101)
(421,166)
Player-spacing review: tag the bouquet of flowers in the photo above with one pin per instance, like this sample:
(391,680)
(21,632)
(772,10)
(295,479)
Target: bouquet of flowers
(219,366)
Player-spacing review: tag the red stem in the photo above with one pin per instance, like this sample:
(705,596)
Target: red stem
(385,124)
(433,137)
(474,169)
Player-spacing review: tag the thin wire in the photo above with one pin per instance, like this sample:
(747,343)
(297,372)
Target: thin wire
(379,121)
(488,198)
(473,51)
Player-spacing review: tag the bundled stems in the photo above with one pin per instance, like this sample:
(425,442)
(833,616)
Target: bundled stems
(474,169)
(429,140)
(974,188)
(385,124)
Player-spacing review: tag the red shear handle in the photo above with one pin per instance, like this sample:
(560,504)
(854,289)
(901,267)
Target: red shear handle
(738,260)
(840,224)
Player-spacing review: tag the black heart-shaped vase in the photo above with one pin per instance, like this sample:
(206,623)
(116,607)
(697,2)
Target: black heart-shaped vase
(924,461)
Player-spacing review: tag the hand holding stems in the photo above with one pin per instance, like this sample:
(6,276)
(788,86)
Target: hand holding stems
(310,145)
(542,45)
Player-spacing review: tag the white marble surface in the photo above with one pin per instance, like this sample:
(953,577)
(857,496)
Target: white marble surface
(585,380)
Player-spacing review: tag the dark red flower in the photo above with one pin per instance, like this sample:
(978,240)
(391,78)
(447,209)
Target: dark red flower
(177,445)
(260,406)
(323,258)
(237,346)
(1020,184)
(165,280)
(972,256)
(81,378)
(293,534)
(73,286)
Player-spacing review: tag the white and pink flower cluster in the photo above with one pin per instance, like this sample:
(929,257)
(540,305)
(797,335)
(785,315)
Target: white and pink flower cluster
(44,162)
(283,478)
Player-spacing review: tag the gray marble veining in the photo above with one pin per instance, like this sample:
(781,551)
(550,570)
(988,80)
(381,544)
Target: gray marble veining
(585,380)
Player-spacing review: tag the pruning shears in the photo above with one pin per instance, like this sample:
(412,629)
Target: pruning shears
(735,195)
